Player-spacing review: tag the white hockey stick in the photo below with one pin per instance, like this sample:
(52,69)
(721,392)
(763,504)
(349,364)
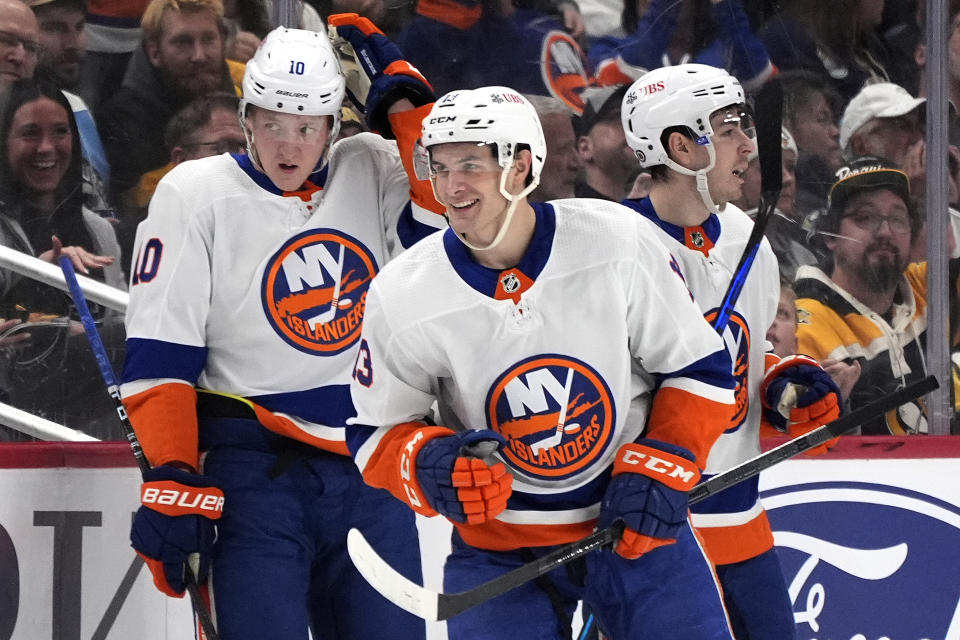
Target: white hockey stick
(432,605)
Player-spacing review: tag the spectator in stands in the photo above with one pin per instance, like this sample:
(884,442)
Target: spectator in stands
(810,108)
(834,38)
(63,38)
(560,169)
(41,210)
(181,58)
(40,191)
(953,64)
(609,166)
(206,126)
(865,303)
(668,32)
(113,34)
(885,121)
(783,332)
(784,231)
(62,35)
(465,44)
(19,42)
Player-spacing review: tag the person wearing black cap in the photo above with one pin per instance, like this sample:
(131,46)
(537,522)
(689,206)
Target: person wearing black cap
(865,304)
(609,167)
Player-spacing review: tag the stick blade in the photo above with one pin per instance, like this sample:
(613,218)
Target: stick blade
(768,111)
(402,592)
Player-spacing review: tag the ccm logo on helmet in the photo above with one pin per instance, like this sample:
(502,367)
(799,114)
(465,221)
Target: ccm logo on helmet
(204,502)
(659,466)
(442,119)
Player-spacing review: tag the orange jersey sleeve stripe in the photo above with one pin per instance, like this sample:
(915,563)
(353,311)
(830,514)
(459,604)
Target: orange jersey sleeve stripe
(728,545)
(406,127)
(689,420)
(501,536)
(165,421)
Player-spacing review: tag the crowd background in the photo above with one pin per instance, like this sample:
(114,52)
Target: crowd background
(100,98)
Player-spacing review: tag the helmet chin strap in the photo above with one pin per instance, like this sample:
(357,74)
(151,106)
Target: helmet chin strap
(703,187)
(512,201)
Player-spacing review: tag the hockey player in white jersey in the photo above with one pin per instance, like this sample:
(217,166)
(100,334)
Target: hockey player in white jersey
(246,298)
(562,335)
(689,126)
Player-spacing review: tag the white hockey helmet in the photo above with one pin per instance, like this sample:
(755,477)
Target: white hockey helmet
(681,95)
(489,115)
(294,71)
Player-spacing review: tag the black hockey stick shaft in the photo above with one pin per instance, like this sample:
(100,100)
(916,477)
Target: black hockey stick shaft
(769,114)
(113,389)
(451,604)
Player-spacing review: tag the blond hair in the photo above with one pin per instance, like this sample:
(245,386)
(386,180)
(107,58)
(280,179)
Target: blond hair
(152,21)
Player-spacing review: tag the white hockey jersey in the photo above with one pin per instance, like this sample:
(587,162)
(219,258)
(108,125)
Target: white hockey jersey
(732,523)
(559,354)
(243,290)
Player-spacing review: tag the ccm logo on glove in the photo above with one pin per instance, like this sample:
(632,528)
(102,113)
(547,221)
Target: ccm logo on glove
(674,471)
(174,499)
(406,459)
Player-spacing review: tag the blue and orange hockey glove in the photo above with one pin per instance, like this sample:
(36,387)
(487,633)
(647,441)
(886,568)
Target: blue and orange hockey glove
(798,396)
(391,77)
(459,479)
(648,492)
(175,520)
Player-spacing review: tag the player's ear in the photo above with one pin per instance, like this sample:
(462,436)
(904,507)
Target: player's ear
(523,163)
(678,145)
(584,148)
(177,155)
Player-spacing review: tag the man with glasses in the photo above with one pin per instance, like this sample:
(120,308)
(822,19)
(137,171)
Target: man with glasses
(207,126)
(865,302)
(19,42)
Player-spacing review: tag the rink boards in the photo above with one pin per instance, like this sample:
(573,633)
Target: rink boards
(869,537)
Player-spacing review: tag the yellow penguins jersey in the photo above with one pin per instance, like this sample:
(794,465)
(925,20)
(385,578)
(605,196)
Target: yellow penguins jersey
(733,524)
(560,354)
(244,290)
(833,324)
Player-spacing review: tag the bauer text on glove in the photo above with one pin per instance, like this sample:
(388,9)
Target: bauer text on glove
(175,520)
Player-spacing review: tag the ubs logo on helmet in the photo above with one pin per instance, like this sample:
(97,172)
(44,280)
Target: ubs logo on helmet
(315,288)
(736,337)
(556,412)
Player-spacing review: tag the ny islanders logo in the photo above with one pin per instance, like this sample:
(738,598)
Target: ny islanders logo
(556,412)
(314,290)
(736,337)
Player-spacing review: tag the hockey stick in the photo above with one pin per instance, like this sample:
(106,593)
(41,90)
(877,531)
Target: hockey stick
(113,389)
(431,605)
(769,105)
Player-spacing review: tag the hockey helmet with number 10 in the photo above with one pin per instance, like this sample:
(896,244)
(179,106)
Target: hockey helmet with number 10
(489,115)
(682,95)
(294,71)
